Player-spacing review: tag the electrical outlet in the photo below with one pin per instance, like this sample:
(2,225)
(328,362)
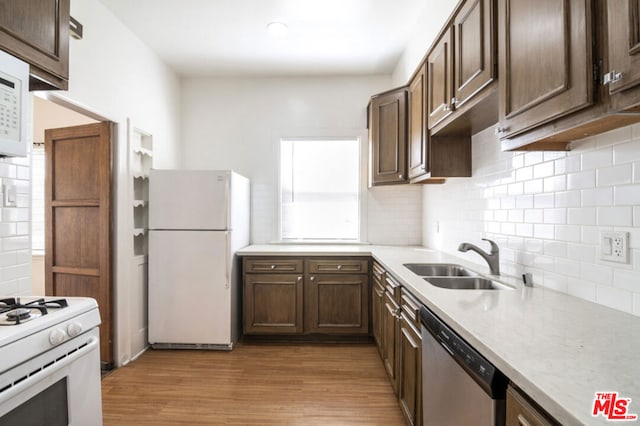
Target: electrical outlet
(614,246)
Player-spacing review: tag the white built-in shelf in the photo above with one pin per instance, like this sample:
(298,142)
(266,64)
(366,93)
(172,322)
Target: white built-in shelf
(139,203)
(143,151)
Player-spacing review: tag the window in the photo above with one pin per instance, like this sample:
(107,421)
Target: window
(320,189)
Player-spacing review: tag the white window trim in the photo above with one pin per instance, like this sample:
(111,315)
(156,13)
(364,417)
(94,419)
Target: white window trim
(362,136)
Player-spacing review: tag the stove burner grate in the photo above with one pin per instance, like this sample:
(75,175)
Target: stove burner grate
(15,312)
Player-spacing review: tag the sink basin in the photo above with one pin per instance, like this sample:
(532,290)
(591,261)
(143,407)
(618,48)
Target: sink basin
(438,270)
(466,283)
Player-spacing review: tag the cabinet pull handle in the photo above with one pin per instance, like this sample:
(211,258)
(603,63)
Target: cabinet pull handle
(611,77)
(522,421)
(454,101)
(273,266)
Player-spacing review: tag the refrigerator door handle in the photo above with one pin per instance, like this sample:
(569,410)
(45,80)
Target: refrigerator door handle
(227,269)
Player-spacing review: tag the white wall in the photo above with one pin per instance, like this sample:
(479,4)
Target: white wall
(116,76)
(546,212)
(237,123)
(429,25)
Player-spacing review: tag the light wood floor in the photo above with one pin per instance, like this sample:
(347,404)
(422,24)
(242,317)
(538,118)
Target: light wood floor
(255,384)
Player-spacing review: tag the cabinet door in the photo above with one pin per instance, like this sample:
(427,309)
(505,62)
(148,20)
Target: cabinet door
(337,304)
(474,49)
(390,329)
(545,61)
(37,31)
(377,306)
(388,137)
(439,72)
(273,303)
(624,43)
(410,353)
(418,146)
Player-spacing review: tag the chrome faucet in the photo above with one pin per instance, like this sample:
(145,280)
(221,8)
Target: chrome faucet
(493,258)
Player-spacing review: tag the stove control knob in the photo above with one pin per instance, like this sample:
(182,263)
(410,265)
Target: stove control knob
(74,329)
(56,337)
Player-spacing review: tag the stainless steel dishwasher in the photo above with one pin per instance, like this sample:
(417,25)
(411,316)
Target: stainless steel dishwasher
(459,386)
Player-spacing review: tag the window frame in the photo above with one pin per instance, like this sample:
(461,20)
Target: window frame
(361,137)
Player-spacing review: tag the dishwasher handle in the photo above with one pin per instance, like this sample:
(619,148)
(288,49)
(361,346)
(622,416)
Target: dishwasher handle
(490,379)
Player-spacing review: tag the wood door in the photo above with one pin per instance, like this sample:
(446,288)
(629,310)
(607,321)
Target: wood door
(624,43)
(337,304)
(388,137)
(273,303)
(439,74)
(410,389)
(545,61)
(78,219)
(418,158)
(37,31)
(474,49)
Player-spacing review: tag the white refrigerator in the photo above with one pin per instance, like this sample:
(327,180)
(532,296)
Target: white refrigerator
(197,221)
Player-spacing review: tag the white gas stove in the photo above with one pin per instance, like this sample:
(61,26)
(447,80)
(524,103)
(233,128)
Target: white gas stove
(49,361)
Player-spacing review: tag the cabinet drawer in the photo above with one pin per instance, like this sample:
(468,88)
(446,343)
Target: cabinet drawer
(522,411)
(339,266)
(410,307)
(266,265)
(378,273)
(393,287)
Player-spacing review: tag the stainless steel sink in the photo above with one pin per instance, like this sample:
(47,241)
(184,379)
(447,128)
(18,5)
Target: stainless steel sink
(466,283)
(438,270)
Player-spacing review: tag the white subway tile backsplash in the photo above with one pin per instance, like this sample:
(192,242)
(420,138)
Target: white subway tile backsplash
(533,186)
(581,180)
(581,216)
(616,175)
(597,197)
(626,152)
(555,183)
(543,170)
(627,195)
(555,215)
(615,216)
(547,211)
(615,298)
(568,199)
(598,158)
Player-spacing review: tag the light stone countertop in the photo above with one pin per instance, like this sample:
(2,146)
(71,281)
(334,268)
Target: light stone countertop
(559,349)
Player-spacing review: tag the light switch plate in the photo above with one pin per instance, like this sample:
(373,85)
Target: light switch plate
(9,192)
(614,246)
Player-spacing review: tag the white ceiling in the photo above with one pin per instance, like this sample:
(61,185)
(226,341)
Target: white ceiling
(229,37)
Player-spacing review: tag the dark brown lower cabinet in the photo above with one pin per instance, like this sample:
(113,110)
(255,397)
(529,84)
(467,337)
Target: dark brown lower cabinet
(391,331)
(273,303)
(337,304)
(377,305)
(522,411)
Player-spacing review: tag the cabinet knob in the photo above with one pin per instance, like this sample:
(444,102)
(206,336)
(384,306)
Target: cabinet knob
(611,77)
(312,278)
(299,278)
(400,176)
(339,267)
(273,266)
(454,101)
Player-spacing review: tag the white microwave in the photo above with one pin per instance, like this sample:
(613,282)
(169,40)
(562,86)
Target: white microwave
(14,106)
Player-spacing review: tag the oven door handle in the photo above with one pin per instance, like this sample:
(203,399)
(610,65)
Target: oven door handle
(32,378)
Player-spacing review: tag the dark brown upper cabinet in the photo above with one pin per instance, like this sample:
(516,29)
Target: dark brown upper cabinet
(439,75)
(623,73)
(474,47)
(545,53)
(388,137)
(37,31)
(418,135)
